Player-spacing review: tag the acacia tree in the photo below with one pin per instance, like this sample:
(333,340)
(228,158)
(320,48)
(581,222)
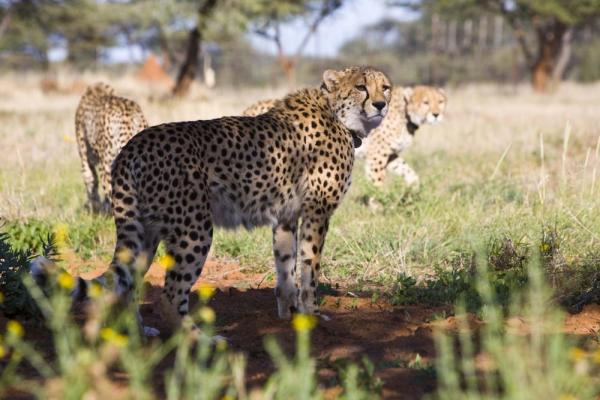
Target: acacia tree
(552,23)
(187,71)
(268,23)
(220,18)
(542,28)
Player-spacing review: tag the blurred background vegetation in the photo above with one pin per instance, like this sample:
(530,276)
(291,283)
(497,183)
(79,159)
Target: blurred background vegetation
(214,41)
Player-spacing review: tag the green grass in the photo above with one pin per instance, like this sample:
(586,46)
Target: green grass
(468,191)
(507,182)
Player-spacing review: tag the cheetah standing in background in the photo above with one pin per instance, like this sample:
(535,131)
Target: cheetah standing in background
(175,182)
(410,108)
(104,122)
(260,107)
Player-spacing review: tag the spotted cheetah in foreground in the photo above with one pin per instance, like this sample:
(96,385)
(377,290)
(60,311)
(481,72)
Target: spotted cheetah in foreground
(104,122)
(409,109)
(175,182)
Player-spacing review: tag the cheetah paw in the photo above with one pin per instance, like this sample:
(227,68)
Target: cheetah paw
(150,331)
(325,317)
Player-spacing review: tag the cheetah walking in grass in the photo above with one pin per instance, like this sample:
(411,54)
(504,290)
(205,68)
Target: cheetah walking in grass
(104,122)
(410,108)
(288,168)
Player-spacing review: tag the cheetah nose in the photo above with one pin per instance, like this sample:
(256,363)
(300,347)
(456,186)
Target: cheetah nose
(379,105)
(436,115)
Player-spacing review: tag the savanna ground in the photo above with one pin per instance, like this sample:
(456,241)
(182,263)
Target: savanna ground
(505,226)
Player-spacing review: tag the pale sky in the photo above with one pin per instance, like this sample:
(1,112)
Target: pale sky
(346,24)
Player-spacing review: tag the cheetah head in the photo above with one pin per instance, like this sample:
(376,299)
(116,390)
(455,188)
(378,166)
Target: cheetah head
(425,104)
(359,97)
(100,89)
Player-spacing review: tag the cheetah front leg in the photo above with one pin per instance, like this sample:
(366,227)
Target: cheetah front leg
(284,249)
(314,229)
(400,168)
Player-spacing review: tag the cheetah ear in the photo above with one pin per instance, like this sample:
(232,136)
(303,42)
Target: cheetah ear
(441,91)
(407,93)
(331,78)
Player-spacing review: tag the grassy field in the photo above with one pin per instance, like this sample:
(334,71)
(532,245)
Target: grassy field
(506,168)
(510,178)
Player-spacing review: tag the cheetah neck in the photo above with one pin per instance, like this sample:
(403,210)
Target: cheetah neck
(411,126)
(356,140)
(316,98)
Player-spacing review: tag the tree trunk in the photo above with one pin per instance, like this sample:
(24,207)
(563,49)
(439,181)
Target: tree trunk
(482,34)
(467,34)
(550,40)
(452,42)
(563,58)
(288,66)
(5,22)
(187,72)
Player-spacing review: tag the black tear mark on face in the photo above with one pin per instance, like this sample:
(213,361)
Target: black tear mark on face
(356,141)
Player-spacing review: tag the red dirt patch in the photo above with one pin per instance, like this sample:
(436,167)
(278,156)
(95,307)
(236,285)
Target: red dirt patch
(152,72)
(390,336)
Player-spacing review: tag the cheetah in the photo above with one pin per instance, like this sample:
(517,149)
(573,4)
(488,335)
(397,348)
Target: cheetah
(104,122)
(288,168)
(260,107)
(410,108)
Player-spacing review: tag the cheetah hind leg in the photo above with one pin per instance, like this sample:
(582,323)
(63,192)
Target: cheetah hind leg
(90,178)
(134,252)
(284,250)
(189,251)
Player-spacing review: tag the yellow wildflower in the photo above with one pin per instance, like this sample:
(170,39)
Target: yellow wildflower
(14,328)
(1,297)
(68,139)
(221,345)
(2,351)
(545,247)
(596,356)
(166,261)
(66,280)
(61,234)
(124,255)
(227,397)
(206,291)
(111,336)
(207,315)
(303,322)
(577,354)
(567,397)
(95,290)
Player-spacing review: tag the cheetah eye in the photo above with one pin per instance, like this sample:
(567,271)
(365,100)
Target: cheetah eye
(426,102)
(362,88)
(386,88)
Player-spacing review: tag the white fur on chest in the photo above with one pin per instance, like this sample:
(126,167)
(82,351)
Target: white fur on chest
(228,213)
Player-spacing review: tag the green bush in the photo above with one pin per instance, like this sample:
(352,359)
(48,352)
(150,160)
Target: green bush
(535,360)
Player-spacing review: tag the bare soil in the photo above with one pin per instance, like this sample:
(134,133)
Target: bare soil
(390,336)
